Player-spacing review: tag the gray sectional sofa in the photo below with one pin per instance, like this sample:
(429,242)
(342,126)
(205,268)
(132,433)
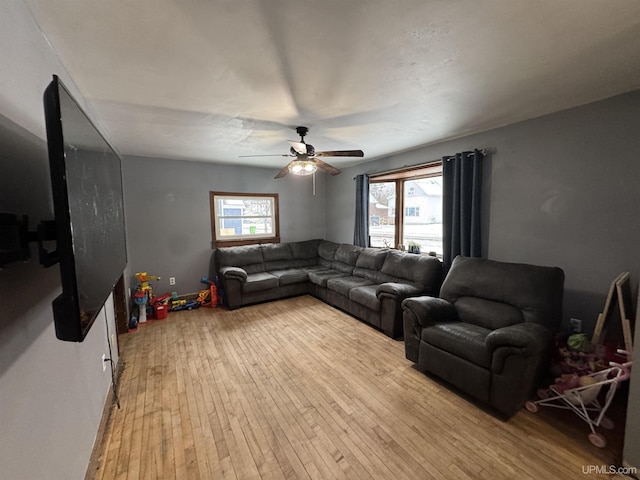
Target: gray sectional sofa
(368,283)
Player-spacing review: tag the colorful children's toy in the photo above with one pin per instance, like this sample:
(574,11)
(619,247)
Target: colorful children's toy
(187,305)
(133,322)
(144,294)
(140,299)
(160,306)
(580,394)
(208,298)
(144,286)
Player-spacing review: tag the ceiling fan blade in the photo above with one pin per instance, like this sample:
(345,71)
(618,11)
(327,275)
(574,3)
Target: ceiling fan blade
(341,153)
(299,147)
(284,171)
(267,155)
(325,167)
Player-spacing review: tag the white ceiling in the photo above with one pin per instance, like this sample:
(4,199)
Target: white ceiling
(210,80)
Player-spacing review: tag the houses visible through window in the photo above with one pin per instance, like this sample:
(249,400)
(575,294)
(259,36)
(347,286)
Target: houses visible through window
(411,211)
(417,193)
(243,218)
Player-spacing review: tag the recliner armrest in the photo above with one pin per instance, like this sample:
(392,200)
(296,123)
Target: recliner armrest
(396,290)
(530,337)
(425,310)
(235,273)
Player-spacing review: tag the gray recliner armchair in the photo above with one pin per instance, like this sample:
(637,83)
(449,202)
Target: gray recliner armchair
(490,331)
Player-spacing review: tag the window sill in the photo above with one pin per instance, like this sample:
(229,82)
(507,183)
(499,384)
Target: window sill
(237,243)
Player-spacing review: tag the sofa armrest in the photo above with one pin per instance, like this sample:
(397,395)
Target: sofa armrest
(396,290)
(519,355)
(529,338)
(425,310)
(235,273)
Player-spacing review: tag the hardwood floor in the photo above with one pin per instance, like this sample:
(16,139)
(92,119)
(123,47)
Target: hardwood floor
(296,389)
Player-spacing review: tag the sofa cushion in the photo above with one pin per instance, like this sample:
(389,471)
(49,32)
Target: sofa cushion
(304,250)
(259,281)
(272,252)
(277,256)
(320,276)
(248,257)
(327,250)
(279,265)
(460,339)
(304,262)
(322,262)
(291,275)
(420,269)
(366,296)
(376,276)
(348,254)
(487,313)
(371,258)
(342,285)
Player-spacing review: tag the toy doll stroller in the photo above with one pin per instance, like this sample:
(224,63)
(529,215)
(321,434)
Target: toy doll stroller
(580,394)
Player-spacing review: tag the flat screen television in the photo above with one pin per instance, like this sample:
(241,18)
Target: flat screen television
(86,183)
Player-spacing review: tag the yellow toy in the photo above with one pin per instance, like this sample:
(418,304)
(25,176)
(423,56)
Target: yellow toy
(144,286)
(144,293)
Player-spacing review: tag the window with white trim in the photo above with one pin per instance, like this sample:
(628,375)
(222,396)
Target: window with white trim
(244,218)
(414,192)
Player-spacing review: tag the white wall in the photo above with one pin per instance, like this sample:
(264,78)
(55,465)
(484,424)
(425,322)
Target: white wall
(52,393)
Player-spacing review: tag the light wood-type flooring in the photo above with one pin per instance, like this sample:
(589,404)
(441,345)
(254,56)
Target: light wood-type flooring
(296,389)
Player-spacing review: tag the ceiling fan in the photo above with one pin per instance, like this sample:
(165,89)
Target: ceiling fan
(306,159)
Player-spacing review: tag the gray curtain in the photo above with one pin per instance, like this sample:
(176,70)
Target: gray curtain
(462,182)
(361,228)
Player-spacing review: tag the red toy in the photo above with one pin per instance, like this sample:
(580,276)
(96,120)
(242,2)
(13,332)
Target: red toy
(208,298)
(160,306)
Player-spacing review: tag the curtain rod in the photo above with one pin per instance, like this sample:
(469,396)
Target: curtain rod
(483,151)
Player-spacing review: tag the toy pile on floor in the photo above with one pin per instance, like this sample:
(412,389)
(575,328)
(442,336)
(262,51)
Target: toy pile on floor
(586,379)
(157,307)
(576,359)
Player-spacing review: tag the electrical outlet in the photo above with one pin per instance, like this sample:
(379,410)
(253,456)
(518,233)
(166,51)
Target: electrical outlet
(172,280)
(104,362)
(576,325)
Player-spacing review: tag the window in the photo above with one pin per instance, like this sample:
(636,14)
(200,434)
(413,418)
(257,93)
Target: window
(244,218)
(416,192)
(411,211)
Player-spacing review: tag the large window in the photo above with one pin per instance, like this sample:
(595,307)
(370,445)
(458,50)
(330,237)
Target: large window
(243,218)
(415,192)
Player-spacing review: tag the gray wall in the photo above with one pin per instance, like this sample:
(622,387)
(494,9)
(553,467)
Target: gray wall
(52,393)
(169,221)
(558,190)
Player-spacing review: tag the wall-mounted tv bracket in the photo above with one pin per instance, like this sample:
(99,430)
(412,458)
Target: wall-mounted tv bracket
(46,232)
(14,241)
(15,238)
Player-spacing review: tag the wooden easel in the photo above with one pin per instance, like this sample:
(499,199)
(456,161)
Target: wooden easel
(619,287)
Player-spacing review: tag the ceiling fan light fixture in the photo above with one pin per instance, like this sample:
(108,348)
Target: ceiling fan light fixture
(302,167)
